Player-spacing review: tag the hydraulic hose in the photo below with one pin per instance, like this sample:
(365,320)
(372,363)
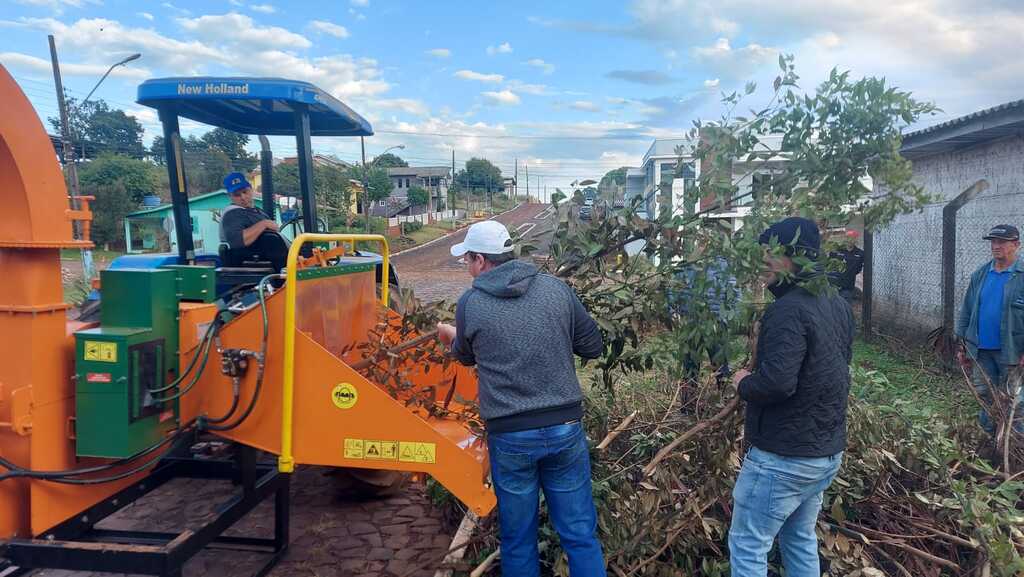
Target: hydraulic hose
(260,360)
(208,335)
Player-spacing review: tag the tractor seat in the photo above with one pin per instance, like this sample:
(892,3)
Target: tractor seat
(238,270)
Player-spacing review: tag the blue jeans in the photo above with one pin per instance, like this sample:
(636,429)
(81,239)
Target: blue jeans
(557,460)
(777,495)
(998,375)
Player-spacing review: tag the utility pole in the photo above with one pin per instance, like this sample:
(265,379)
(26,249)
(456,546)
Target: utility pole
(366,190)
(515,182)
(526,169)
(455,192)
(68,152)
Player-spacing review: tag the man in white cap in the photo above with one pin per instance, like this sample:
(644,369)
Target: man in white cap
(521,329)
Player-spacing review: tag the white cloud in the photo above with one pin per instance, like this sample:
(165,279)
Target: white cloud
(95,40)
(35,64)
(329,28)
(470,75)
(534,89)
(585,106)
(340,74)
(263,8)
(145,15)
(210,29)
(440,52)
(546,67)
(734,62)
(58,5)
(711,83)
(408,105)
(503,48)
(360,2)
(504,97)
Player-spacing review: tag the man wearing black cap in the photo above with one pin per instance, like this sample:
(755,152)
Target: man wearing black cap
(796,410)
(991,322)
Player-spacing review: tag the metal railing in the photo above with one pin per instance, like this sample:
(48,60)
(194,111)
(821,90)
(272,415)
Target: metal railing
(286,461)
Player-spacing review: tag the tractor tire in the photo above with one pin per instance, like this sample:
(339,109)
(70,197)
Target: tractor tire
(368,483)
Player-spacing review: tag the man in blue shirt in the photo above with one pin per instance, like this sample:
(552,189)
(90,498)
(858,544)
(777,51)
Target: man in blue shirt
(991,323)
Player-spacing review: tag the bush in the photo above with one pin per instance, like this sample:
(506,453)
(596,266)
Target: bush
(413,226)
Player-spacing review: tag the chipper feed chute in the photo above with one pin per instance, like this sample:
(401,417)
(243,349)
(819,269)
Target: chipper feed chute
(418,421)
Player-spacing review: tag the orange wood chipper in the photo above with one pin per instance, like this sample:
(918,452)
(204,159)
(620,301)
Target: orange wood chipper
(97,412)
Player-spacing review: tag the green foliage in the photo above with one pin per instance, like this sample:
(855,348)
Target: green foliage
(411,227)
(232,144)
(418,196)
(97,129)
(389,160)
(330,184)
(479,175)
(378,183)
(138,177)
(113,202)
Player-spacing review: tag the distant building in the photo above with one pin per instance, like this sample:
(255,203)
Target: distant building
(434,179)
(669,171)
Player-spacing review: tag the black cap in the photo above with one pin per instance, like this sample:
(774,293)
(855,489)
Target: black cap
(794,233)
(1003,232)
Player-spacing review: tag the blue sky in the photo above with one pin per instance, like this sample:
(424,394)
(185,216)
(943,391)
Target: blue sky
(574,89)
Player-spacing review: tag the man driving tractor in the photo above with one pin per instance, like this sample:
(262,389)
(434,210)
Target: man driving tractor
(246,230)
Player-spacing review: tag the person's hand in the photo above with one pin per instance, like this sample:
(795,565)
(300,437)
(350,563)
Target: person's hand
(738,376)
(962,358)
(446,333)
(270,225)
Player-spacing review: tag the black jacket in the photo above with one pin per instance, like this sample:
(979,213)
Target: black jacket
(796,399)
(853,261)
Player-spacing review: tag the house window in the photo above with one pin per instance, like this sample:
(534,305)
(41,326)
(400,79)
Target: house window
(383,203)
(407,183)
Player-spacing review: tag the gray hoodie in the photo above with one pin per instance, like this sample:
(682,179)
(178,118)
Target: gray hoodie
(521,329)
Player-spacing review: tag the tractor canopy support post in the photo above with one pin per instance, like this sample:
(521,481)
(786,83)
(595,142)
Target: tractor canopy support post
(304,153)
(178,185)
(267,176)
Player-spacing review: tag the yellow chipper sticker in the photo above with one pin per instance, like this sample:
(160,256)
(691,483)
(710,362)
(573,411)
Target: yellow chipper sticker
(344,396)
(102,351)
(402,451)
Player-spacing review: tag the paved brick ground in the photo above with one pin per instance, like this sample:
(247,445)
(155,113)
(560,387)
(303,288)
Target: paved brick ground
(330,536)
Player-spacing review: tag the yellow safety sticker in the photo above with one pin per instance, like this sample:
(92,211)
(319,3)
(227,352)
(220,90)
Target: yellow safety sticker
(102,351)
(417,452)
(344,396)
(354,448)
(408,452)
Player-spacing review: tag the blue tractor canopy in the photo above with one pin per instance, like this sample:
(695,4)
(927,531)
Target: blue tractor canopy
(255,106)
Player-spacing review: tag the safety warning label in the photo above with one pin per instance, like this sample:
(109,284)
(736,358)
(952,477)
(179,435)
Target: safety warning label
(100,351)
(417,452)
(404,451)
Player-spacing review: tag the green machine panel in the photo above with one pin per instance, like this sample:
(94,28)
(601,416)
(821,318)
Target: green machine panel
(195,283)
(116,415)
(117,365)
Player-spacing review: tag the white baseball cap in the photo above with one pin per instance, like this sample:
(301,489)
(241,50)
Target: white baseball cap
(487,237)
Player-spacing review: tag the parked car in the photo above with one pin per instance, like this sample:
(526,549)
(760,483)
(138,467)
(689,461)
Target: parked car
(586,212)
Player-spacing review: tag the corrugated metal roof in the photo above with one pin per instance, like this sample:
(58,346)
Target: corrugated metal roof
(981,126)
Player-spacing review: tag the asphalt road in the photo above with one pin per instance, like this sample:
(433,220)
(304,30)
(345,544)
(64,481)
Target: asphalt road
(434,274)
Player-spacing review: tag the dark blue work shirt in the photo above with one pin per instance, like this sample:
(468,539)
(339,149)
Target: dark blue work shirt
(990,310)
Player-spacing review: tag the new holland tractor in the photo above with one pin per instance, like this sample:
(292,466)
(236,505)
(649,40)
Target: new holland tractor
(95,414)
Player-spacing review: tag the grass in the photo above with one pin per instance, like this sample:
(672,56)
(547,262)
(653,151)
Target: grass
(97,254)
(914,379)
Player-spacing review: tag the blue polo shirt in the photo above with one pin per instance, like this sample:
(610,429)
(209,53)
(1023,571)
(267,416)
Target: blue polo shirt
(990,309)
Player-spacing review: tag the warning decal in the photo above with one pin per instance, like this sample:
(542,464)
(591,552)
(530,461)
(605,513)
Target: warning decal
(353,448)
(417,452)
(100,351)
(407,452)
(344,396)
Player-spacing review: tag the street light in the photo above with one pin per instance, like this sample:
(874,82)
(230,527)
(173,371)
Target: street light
(135,56)
(87,265)
(366,168)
